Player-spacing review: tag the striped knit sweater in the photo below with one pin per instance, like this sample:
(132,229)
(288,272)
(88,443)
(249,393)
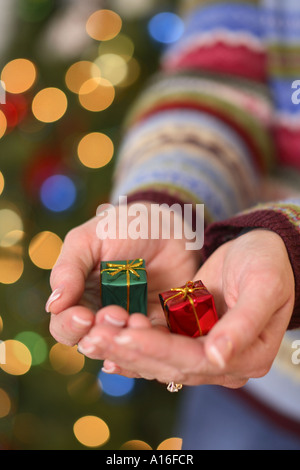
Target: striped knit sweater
(218,124)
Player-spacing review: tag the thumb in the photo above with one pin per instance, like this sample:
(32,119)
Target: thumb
(240,327)
(69,274)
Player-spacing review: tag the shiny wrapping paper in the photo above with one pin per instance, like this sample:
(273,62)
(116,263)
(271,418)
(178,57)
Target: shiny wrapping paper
(189,310)
(124,283)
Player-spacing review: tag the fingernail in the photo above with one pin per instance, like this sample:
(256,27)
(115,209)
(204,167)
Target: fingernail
(85,351)
(109,367)
(124,339)
(56,294)
(219,353)
(114,321)
(80,322)
(94,339)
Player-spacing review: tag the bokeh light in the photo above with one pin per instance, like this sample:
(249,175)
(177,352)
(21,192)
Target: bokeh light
(121,45)
(2,183)
(166,27)
(5,403)
(36,344)
(11,266)
(3,124)
(115,385)
(44,249)
(19,75)
(135,444)
(10,221)
(18,358)
(91,431)
(95,150)
(113,67)
(1,324)
(79,73)
(49,105)
(12,238)
(173,443)
(103,25)
(66,359)
(95,95)
(58,193)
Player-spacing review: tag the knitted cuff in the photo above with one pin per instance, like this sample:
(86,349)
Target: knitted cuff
(220,232)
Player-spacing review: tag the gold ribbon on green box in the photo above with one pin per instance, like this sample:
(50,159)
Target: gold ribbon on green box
(138,282)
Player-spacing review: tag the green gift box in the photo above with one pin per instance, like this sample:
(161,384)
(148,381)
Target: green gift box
(124,283)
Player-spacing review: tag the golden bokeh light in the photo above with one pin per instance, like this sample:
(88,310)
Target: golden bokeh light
(96,96)
(44,249)
(49,105)
(135,444)
(113,67)
(103,25)
(10,221)
(5,403)
(91,431)
(121,45)
(3,124)
(1,325)
(2,182)
(95,150)
(11,266)
(12,238)
(19,75)
(81,72)
(66,359)
(173,443)
(18,358)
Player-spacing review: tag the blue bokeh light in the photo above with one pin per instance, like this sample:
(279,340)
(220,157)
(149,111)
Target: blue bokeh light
(58,193)
(115,385)
(166,27)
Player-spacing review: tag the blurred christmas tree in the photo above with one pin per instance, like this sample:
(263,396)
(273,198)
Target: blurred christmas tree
(71,69)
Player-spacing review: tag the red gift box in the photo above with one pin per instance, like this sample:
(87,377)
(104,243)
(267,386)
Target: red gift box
(189,310)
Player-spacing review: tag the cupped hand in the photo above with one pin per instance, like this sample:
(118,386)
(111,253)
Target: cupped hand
(253,284)
(75,298)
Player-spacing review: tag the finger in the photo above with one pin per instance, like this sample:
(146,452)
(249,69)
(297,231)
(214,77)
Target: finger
(112,315)
(168,354)
(71,325)
(242,325)
(74,264)
(110,367)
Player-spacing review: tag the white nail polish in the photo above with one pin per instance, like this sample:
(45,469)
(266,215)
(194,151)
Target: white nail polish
(108,370)
(85,350)
(114,321)
(80,321)
(56,294)
(216,357)
(93,339)
(122,339)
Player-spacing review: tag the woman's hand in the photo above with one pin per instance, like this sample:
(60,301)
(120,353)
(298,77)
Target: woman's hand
(252,281)
(75,298)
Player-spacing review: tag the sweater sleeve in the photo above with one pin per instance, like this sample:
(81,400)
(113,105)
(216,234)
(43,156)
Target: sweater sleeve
(201,131)
(282,217)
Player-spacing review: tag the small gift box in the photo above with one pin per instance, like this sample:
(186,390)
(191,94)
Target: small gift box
(124,283)
(189,310)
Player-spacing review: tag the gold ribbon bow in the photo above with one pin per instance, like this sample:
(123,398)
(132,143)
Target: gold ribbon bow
(185,292)
(129,267)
